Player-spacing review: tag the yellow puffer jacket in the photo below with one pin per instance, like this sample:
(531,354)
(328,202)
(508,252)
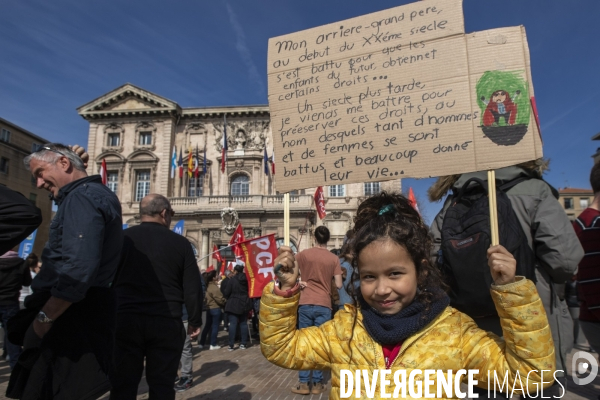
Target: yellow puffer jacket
(450,342)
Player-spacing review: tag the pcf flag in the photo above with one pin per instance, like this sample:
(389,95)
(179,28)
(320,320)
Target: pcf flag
(320,202)
(259,255)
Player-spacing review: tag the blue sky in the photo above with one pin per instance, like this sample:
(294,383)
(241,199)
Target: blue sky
(57,55)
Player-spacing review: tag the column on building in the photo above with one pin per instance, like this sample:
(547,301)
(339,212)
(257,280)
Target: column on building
(205,252)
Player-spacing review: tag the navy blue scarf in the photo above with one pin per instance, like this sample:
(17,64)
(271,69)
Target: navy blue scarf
(394,329)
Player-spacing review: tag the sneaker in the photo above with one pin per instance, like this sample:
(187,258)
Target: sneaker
(184,384)
(215,347)
(317,388)
(301,388)
(242,347)
(230,348)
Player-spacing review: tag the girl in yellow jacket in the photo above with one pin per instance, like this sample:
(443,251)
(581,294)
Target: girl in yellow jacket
(401,338)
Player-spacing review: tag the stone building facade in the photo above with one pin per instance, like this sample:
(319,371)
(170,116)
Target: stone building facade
(136,132)
(15,144)
(574,201)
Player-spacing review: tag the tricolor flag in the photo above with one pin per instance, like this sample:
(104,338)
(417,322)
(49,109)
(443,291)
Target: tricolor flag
(273,162)
(224,146)
(103,173)
(180,164)
(266,160)
(174,162)
(204,161)
(412,200)
(190,166)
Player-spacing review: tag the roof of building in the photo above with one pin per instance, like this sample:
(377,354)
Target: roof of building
(41,139)
(575,191)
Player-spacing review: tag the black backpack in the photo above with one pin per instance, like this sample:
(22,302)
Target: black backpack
(466,236)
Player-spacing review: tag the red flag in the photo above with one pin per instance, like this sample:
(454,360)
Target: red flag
(217,254)
(103,173)
(412,200)
(259,255)
(238,237)
(320,202)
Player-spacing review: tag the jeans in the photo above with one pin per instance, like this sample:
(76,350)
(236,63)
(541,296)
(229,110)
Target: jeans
(216,318)
(186,355)
(14,351)
(242,320)
(312,316)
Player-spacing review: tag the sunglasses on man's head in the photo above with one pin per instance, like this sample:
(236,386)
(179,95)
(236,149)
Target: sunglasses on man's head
(42,147)
(170,211)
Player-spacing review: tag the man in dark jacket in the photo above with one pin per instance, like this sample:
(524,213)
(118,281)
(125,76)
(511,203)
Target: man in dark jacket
(14,274)
(68,346)
(18,218)
(238,305)
(158,274)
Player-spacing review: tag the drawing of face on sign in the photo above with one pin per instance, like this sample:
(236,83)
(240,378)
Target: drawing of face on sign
(502,97)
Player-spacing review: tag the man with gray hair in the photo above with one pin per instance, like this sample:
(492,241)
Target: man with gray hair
(158,275)
(67,327)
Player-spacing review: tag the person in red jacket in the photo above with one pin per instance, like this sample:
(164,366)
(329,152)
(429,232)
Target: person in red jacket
(587,227)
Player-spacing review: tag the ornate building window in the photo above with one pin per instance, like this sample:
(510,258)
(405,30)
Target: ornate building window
(195,186)
(145,133)
(112,180)
(372,188)
(142,184)
(337,191)
(145,138)
(240,186)
(114,140)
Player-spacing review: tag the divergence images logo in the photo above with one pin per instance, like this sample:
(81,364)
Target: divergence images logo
(580,367)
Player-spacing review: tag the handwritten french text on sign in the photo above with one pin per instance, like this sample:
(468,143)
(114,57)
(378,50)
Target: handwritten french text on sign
(259,255)
(399,93)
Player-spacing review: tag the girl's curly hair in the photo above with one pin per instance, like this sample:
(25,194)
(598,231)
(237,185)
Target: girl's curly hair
(401,223)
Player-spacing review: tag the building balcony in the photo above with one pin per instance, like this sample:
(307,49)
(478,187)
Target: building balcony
(259,203)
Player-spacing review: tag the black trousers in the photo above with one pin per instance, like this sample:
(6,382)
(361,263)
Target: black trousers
(157,339)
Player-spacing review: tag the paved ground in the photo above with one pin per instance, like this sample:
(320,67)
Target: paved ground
(246,374)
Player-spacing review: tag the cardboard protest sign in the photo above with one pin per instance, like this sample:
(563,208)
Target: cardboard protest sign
(259,255)
(399,93)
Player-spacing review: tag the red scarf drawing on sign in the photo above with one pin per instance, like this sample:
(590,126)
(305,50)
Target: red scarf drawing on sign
(259,255)
(320,202)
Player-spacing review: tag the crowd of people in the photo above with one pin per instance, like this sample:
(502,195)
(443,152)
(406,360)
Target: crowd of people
(102,303)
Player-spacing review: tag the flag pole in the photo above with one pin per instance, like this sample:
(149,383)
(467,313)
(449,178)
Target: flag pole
(493,207)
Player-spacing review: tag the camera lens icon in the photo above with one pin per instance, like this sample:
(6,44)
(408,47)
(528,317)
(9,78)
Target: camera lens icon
(580,367)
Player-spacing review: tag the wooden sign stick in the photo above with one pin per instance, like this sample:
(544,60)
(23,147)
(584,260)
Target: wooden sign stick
(286,219)
(493,207)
